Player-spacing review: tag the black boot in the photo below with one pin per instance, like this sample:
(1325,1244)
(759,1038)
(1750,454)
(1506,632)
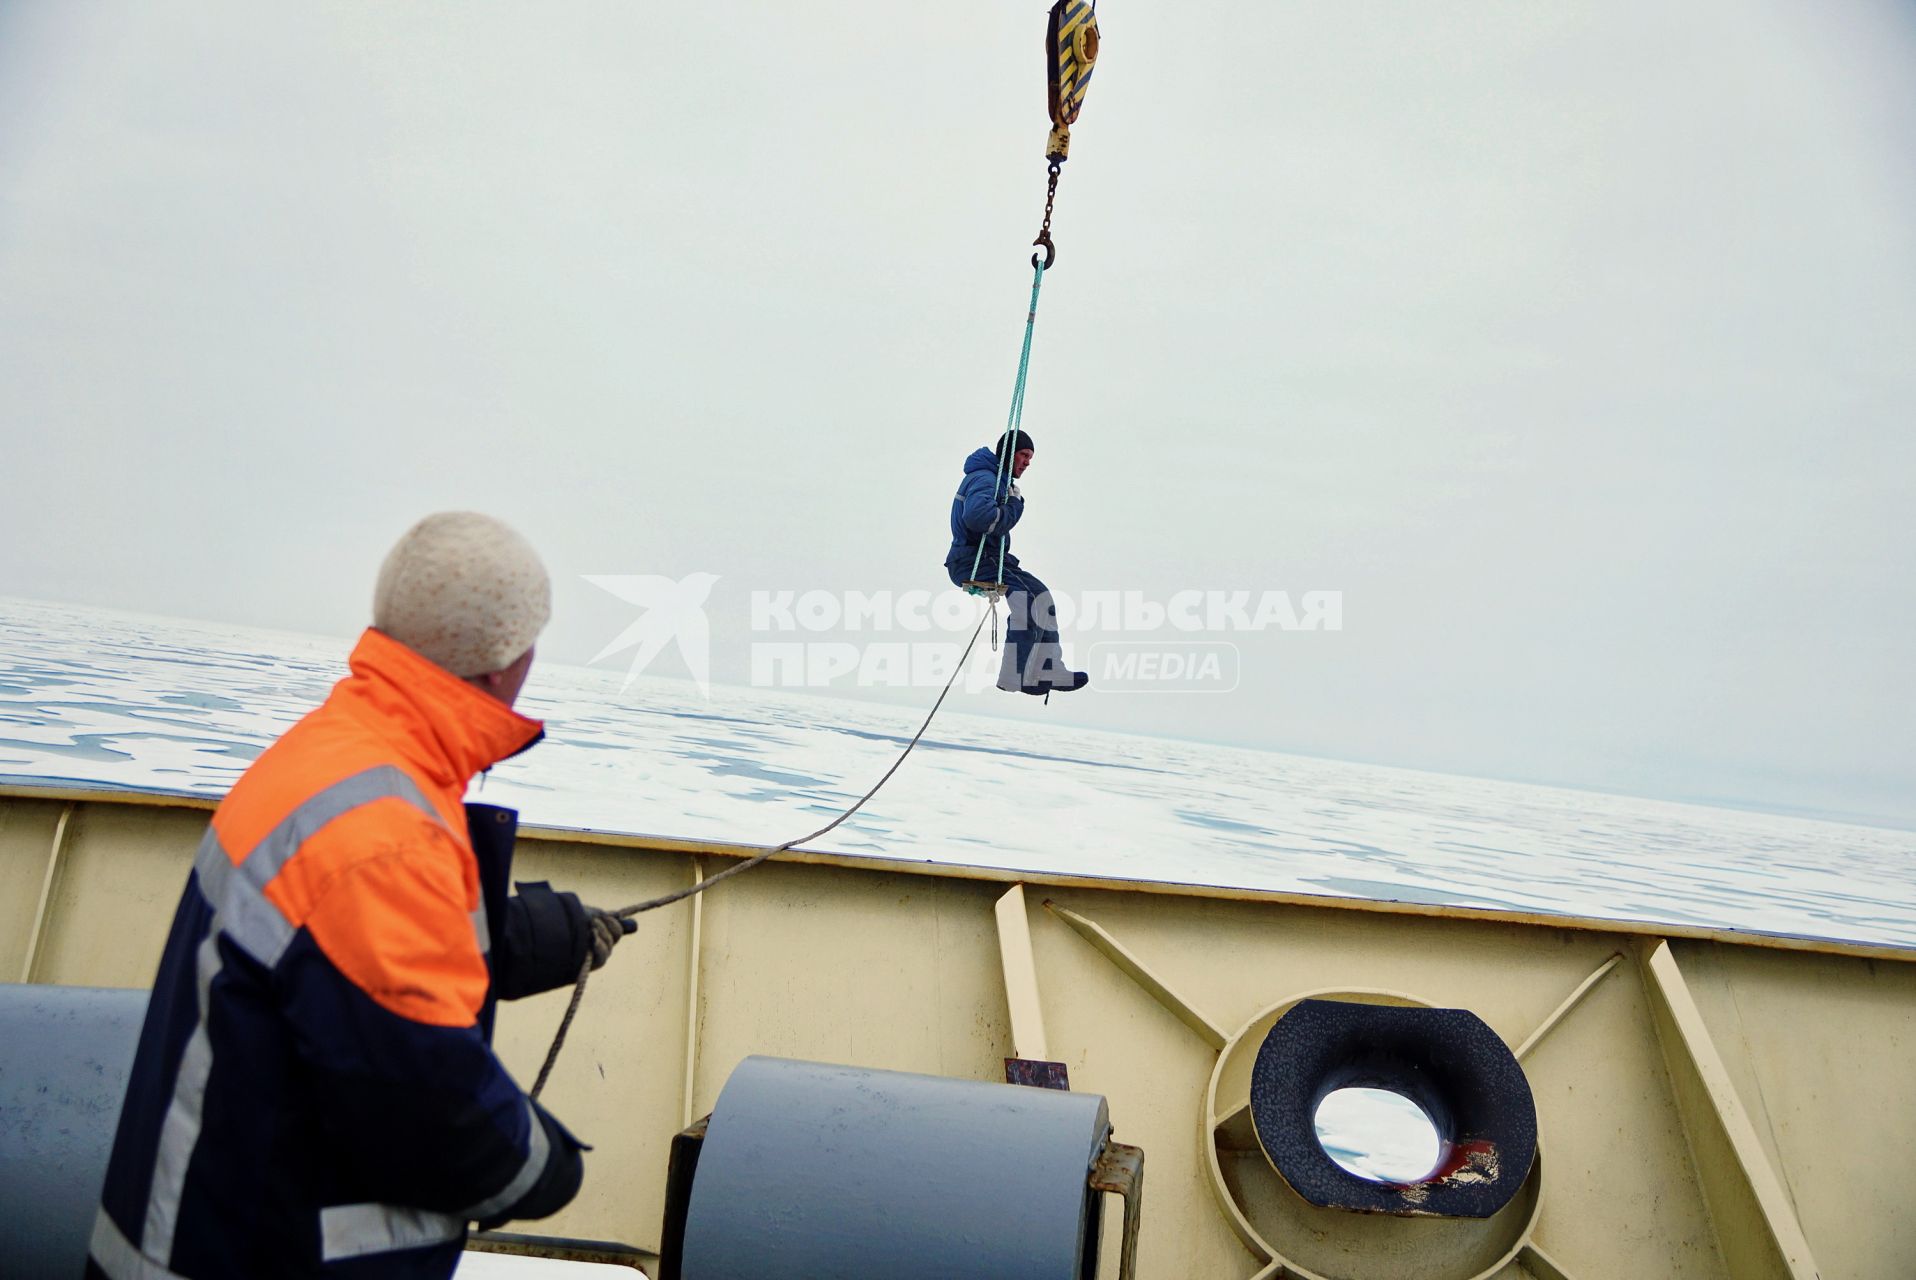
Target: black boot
(1067,682)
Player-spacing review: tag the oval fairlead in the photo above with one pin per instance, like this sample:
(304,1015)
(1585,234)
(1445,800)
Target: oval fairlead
(1447,1061)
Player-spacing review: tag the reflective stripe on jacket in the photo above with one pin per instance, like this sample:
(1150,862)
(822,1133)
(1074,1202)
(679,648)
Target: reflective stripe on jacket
(315,1092)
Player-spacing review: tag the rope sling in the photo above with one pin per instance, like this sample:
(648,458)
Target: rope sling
(1071,43)
(1000,493)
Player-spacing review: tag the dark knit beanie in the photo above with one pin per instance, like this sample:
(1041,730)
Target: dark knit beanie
(1023,442)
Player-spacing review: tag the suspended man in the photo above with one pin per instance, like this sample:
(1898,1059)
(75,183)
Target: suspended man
(986,507)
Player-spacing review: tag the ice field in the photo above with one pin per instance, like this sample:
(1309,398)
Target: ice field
(116,700)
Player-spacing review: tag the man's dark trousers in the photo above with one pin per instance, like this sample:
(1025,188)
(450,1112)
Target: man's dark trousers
(1032,655)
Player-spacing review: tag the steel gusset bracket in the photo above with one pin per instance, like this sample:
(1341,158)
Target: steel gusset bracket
(1119,1170)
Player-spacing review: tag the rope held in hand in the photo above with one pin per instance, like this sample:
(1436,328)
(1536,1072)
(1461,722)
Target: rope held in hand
(652,904)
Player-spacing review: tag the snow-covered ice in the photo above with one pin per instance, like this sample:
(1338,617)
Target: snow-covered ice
(117,700)
(1377,1134)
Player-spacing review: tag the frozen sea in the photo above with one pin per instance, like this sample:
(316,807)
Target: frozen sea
(109,699)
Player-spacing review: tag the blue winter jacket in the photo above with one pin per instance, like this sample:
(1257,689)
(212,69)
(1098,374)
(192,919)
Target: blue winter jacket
(978,518)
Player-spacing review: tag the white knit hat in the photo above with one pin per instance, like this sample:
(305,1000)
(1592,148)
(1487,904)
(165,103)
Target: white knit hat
(463,591)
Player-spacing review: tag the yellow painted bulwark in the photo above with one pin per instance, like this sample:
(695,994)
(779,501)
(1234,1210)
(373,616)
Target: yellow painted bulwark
(1711,1106)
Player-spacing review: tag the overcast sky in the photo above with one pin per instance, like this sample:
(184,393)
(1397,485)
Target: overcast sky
(1571,342)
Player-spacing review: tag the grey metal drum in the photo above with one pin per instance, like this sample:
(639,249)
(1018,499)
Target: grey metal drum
(817,1172)
(64,1057)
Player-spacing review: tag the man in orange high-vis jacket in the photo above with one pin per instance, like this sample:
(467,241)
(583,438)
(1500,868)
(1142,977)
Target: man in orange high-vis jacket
(315,1092)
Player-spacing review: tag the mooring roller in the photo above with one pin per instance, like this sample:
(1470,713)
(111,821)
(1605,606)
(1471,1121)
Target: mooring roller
(806,1170)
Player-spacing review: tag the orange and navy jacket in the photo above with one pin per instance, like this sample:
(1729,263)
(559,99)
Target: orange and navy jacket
(315,1092)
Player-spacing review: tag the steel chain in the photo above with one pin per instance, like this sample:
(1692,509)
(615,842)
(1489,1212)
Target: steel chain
(1044,232)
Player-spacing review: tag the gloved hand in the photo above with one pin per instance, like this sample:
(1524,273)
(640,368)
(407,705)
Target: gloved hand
(607,929)
(546,938)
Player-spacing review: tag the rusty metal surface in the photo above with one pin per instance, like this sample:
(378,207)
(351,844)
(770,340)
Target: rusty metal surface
(1120,1171)
(562,1249)
(1036,1074)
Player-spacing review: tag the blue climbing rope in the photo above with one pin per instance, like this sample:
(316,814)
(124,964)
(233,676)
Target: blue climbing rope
(1015,420)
